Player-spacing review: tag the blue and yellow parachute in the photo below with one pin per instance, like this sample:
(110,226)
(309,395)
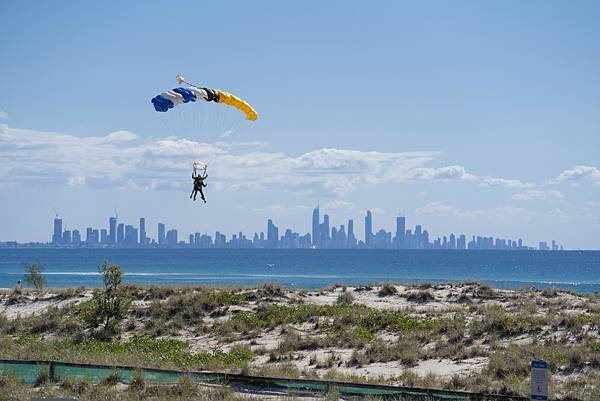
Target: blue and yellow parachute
(169,99)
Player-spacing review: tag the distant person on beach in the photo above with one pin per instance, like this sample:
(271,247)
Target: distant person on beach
(18,287)
(198,185)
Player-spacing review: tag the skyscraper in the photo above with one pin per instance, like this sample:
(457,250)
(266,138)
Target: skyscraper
(103,236)
(315,226)
(142,231)
(161,233)
(120,233)
(452,242)
(57,235)
(324,232)
(66,238)
(171,237)
(272,234)
(351,236)
(112,230)
(76,237)
(368,228)
(400,231)
(131,235)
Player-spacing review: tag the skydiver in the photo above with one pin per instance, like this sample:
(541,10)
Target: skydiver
(198,185)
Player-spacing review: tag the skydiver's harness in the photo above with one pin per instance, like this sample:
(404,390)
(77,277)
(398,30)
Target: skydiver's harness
(199,183)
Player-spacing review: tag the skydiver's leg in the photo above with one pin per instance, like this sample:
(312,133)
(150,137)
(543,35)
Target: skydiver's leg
(202,195)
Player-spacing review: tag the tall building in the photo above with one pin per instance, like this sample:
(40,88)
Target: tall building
(142,231)
(112,230)
(91,236)
(76,237)
(66,238)
(120,233)
(452,241)
(171,237)
(161,233)
(351,236)
(272,234)
(131,235)
(418,236)
(315,226)
(103,236)
(368,228)
(324,232)
(400,231)
(57,235)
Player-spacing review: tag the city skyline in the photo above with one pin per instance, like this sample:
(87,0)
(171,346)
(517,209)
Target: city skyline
(442,112)
(323,235)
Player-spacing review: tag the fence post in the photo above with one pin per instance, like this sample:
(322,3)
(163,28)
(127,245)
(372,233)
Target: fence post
(51,371)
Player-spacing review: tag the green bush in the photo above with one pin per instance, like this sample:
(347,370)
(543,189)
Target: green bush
(108,306)
(387,290)
(34,275)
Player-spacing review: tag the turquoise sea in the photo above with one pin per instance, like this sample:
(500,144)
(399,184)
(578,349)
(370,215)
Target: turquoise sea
(308,268)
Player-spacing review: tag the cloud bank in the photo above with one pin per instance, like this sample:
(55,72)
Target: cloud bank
(580,173)
(123,160)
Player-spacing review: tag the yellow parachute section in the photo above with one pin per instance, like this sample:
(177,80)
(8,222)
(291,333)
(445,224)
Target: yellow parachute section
(234,101)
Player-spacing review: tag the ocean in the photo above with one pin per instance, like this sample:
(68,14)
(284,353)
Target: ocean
(310,268)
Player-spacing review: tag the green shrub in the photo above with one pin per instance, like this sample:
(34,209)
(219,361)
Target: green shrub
(110,305)
(387,290)
(420,296)
(34,275)
(345,298)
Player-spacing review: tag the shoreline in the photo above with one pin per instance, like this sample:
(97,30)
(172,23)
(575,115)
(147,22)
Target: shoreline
(515,285)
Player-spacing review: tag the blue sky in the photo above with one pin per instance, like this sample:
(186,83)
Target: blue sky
(472,117)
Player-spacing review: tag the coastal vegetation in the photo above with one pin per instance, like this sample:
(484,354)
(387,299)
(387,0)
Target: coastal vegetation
(465,336)
(34,275)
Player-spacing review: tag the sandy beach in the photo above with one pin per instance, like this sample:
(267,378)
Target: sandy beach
(467,336)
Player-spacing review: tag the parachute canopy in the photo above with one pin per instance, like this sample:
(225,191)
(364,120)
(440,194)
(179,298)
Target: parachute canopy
(169,99)
(200,166)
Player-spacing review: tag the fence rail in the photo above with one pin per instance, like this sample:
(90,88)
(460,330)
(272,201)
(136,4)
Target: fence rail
(29,371)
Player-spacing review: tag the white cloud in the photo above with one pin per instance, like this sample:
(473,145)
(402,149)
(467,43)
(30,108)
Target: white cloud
(443,173)
(505,183)
(3,115)
(533,194)
(580,172)
(119,137)
(593,203)
(123,160)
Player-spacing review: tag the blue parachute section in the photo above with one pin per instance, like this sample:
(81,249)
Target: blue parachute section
(188,95)
(161,103)
(167,100)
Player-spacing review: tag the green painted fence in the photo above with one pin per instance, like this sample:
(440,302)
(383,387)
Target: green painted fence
(28,372)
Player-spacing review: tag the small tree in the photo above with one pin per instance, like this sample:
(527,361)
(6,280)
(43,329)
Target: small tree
(34,275)
(110,305)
